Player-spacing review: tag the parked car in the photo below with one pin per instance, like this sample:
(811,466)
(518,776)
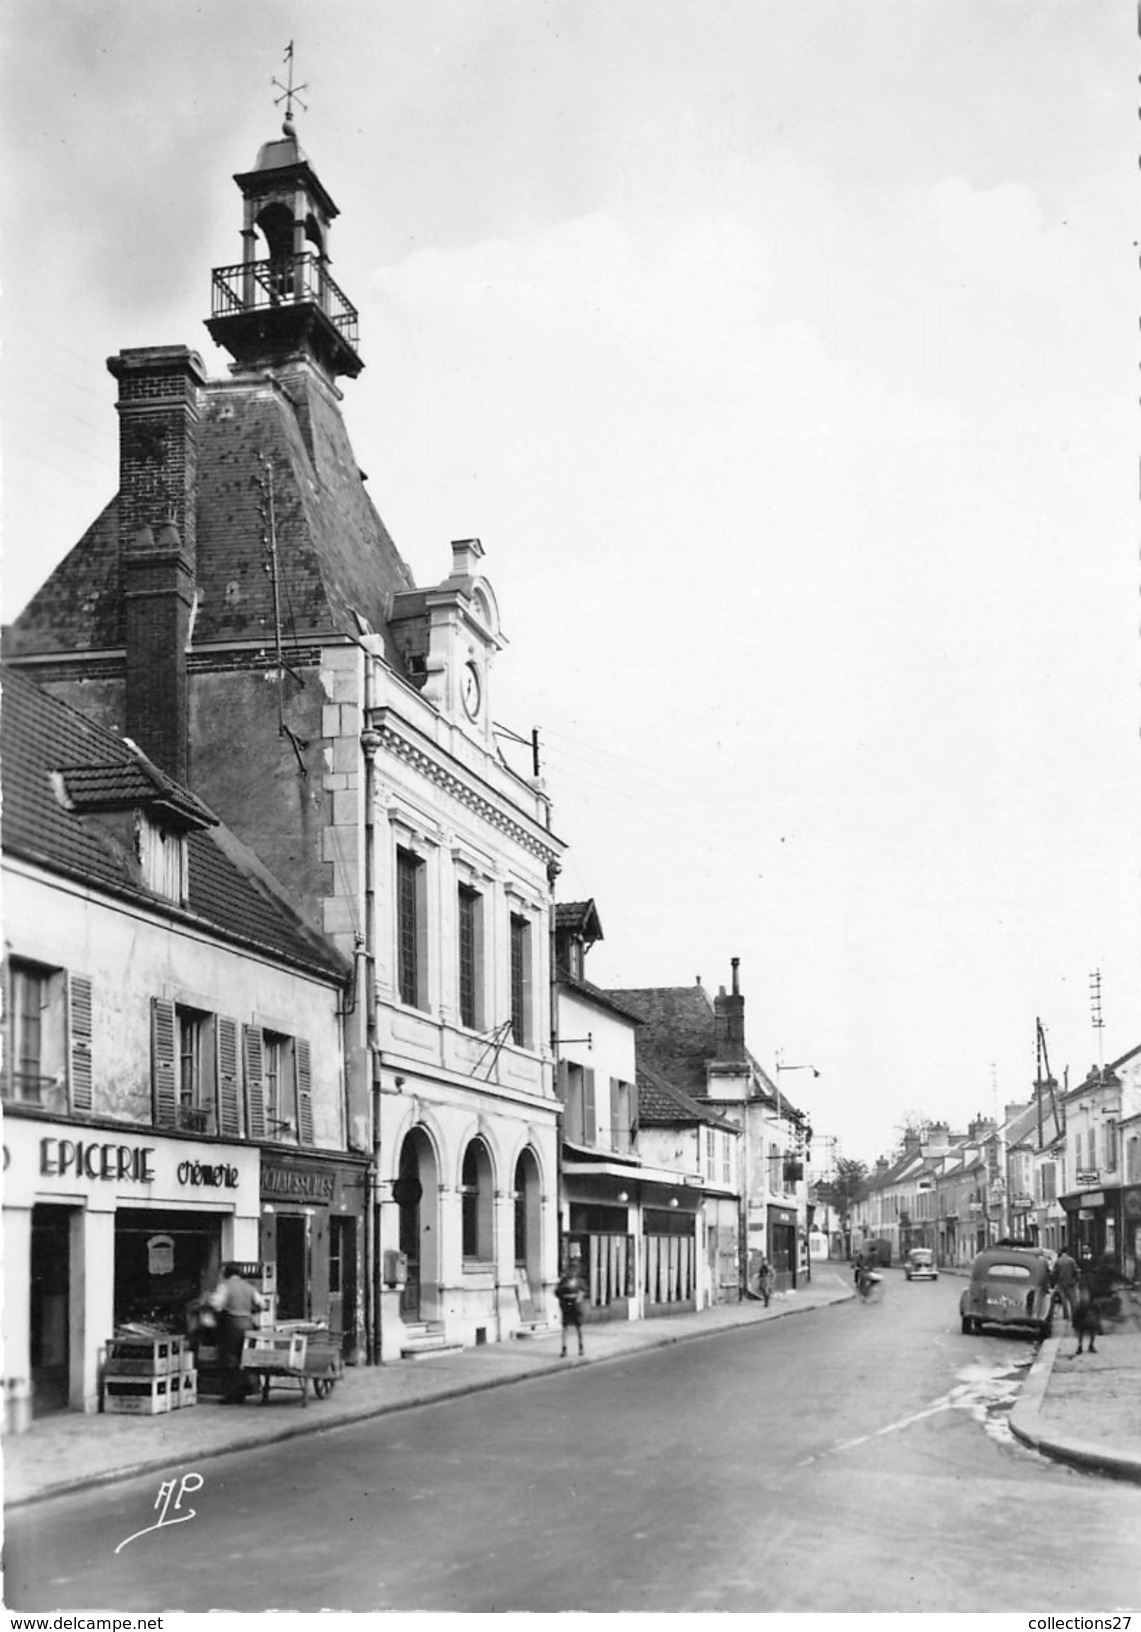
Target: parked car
(919,1265)
(1009,1286)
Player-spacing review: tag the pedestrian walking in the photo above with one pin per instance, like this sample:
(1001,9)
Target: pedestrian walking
(1064,1280)
(765,1280)
(234,1302)
(571,1292)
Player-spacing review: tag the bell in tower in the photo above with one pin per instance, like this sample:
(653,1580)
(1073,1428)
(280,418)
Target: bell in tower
(280,301)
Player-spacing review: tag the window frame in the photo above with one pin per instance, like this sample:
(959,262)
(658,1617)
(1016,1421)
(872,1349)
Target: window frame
(522,978)
(469,956)
(477,1204)
(410,928)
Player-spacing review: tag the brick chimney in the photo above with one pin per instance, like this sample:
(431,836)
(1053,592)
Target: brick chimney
(160,405)
(729,1019)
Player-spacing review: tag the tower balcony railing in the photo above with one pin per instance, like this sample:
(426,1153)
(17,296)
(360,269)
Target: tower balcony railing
(290,280)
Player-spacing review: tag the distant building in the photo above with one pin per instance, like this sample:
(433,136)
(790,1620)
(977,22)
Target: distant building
(697,1043)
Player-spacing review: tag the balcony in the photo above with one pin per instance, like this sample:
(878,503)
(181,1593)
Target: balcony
(195,1119)
(295,280)
(28,1087)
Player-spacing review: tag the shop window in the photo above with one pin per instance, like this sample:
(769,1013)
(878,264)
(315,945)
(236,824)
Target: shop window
(522,1018)
(48,1046)
(470,926)
(410,929)
(477,1200)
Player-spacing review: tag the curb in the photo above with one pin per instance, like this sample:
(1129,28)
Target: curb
(1088,1455)
(275,1434)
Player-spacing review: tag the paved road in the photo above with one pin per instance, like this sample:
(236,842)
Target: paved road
(856,1458)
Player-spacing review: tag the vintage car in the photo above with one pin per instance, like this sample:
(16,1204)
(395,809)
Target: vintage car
(919,1265)
(1010,1286)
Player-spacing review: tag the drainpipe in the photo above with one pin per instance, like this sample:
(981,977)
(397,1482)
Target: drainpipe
(370,743)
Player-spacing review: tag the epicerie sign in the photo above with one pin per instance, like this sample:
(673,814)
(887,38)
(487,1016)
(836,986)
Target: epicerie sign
(60,1158)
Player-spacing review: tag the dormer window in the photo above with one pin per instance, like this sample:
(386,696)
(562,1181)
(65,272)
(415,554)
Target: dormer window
(163,858)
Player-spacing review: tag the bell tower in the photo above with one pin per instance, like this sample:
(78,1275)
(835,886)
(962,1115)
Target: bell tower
(280,302)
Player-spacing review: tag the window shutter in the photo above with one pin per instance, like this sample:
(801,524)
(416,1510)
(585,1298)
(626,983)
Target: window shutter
(162,1063)
(589,1115)
(561,1081)
(255,1081)
(226,1042)
(572,1105)
(304,1093)
(633,1087)
(79,1041)
(615,1114)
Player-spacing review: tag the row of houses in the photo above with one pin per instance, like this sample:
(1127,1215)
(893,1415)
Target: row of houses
(1062,1169)
(286,978)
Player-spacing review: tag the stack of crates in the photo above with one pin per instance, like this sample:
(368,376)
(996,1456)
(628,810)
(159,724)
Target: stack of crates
(142,1375)
(184,1381)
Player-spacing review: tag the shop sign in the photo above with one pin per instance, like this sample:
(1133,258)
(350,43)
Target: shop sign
(1095,1199)
(297,1184)
(1133,1203)
(1090,1176)
(160,1255)
(211,1175)
(59,1157)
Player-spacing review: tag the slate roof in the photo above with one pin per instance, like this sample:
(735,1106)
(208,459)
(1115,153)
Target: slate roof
(660,1104)
(335,557)
(230,893)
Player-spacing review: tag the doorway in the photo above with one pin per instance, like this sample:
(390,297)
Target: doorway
(343,1280)
(292,1266)
(50,1314)
(415,1192)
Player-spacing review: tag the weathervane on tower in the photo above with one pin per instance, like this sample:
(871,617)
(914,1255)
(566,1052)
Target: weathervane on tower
(289,91)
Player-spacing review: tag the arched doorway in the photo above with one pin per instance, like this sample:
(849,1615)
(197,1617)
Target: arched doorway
(415,1192)
(528,1199)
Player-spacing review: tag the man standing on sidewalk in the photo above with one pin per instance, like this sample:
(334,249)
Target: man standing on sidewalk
(235,1302)
(1064,1280)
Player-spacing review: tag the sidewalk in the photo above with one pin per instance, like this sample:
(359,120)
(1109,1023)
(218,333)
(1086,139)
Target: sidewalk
(1084,1411)
(75,1452)
(1087,1410)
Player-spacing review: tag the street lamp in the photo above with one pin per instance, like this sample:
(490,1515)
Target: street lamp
(803,1141)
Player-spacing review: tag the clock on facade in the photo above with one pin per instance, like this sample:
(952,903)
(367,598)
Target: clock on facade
(471,690)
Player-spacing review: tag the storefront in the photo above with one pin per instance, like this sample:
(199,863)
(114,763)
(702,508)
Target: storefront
(1106,1221)
(104,1225)
(312,1212)
(783,1246)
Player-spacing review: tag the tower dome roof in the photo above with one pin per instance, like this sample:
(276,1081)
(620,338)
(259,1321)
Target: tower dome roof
(284,150)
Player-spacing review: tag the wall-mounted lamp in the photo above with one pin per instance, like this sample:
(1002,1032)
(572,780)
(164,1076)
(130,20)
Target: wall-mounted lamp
(623,1197)
(673,1201)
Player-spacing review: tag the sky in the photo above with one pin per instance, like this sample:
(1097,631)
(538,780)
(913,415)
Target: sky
(784,359)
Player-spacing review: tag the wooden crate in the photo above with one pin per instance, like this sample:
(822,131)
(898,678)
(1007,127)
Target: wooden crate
(143,1356)
(283,1351)
(137,1396)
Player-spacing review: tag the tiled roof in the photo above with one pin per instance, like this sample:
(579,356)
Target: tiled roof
(661,1104)
(334,555)
(578,915)
(680,1030)
(229,891)
(595,994)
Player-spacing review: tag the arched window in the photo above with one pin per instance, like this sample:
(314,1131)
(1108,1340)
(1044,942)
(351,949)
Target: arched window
(477,1196)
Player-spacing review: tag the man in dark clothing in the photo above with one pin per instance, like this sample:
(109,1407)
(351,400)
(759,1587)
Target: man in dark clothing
(571,1292)
(1064,1279)
(235,1302)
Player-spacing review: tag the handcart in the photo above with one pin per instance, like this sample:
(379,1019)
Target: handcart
(293,1356)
